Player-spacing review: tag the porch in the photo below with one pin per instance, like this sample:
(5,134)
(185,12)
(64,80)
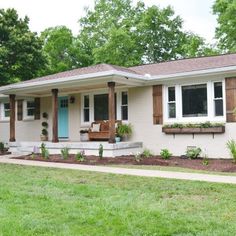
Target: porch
(90,148)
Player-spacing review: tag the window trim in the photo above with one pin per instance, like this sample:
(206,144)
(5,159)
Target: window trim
(210,103)
(91,105)
(3,117)
(25,115)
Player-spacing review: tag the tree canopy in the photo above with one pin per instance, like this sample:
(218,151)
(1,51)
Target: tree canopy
(225,10)
(21,55)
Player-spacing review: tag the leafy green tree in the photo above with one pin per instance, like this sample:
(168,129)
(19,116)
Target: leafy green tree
(225,10)
(161,34)
(196,46)
(20,49)
(120,32)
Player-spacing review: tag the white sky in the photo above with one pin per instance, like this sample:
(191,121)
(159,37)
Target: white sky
(196,14)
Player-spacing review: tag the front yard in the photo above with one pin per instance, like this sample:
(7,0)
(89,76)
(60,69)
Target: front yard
(43,201)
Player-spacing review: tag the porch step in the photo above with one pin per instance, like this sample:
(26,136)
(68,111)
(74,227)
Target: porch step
(90,148)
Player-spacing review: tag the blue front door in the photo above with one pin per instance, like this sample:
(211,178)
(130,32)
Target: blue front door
(63,117)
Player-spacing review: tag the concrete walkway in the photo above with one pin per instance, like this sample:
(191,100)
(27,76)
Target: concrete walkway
(124,171)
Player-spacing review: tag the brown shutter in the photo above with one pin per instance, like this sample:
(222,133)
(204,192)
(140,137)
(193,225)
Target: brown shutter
(37,109)
(19,109)
(230,87)
(157,105)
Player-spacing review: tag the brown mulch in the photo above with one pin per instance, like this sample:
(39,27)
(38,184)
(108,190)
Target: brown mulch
(221,165)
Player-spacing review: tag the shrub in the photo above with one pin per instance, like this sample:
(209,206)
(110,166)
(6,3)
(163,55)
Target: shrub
(231,145)
(146,153)
(2,147)
(80,156)
(45,115)
(44,151)
(193,153)
(138,157)
(65,153)
(165,153)
(44,132)
(45,124)
(100,151)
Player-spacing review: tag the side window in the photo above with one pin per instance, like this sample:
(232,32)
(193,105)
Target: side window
(86,108)
(124,105)
(218,99)
(171,103)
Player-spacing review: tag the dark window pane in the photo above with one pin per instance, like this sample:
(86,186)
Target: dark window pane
(86,115)
(194,100)
(86,101)
(30,104)
(124,99)
(30,112)
(7,113)
(6,106)
(219,107)
(124,112)
(218,90)
(171,94)
(64,103)
(101,107)
(172,110)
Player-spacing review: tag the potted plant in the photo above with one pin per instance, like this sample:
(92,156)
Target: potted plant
(84,135)
(44,134)
(124,131)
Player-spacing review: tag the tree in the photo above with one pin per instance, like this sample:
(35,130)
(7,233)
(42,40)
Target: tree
(21,56)
(161,34)
(119,32)
(196,46)
(225,10)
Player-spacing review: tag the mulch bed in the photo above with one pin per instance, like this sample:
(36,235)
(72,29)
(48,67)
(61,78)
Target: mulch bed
(221,165)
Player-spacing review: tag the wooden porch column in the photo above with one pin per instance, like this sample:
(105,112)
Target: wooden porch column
(111,107)
(55,115)
(12,98)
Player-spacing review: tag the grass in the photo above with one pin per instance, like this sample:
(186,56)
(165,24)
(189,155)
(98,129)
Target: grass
(44,201)
(174,168)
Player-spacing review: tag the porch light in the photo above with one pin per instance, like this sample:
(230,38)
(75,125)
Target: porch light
(72,99)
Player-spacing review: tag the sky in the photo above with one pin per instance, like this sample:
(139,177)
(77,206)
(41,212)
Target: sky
(197,14)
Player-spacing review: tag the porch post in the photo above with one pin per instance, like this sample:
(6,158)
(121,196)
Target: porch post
(111,107)
(55,115)
(12,98)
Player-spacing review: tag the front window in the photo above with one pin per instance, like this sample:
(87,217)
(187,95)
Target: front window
(95,107)
(6,110)
(30,108)
(218,99)
(194,100)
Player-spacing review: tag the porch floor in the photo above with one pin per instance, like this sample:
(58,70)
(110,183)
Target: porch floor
(90,148)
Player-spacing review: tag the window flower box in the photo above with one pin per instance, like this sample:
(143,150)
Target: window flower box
(186,130)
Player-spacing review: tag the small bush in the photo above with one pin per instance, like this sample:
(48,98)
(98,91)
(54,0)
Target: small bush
(205,162)
(231,145)
(146,153)
(44,132)
(2,147)
(100,151)
(65,153)
(193,153)
(45,124)
(165,154)
(44,151)
(80,156)
(138,157)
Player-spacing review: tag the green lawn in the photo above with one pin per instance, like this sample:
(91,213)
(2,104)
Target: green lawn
(41,201)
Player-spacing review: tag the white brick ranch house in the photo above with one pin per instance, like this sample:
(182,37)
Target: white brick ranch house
(149,96)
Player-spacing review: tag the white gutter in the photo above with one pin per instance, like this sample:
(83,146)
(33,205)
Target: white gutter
(190,74)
